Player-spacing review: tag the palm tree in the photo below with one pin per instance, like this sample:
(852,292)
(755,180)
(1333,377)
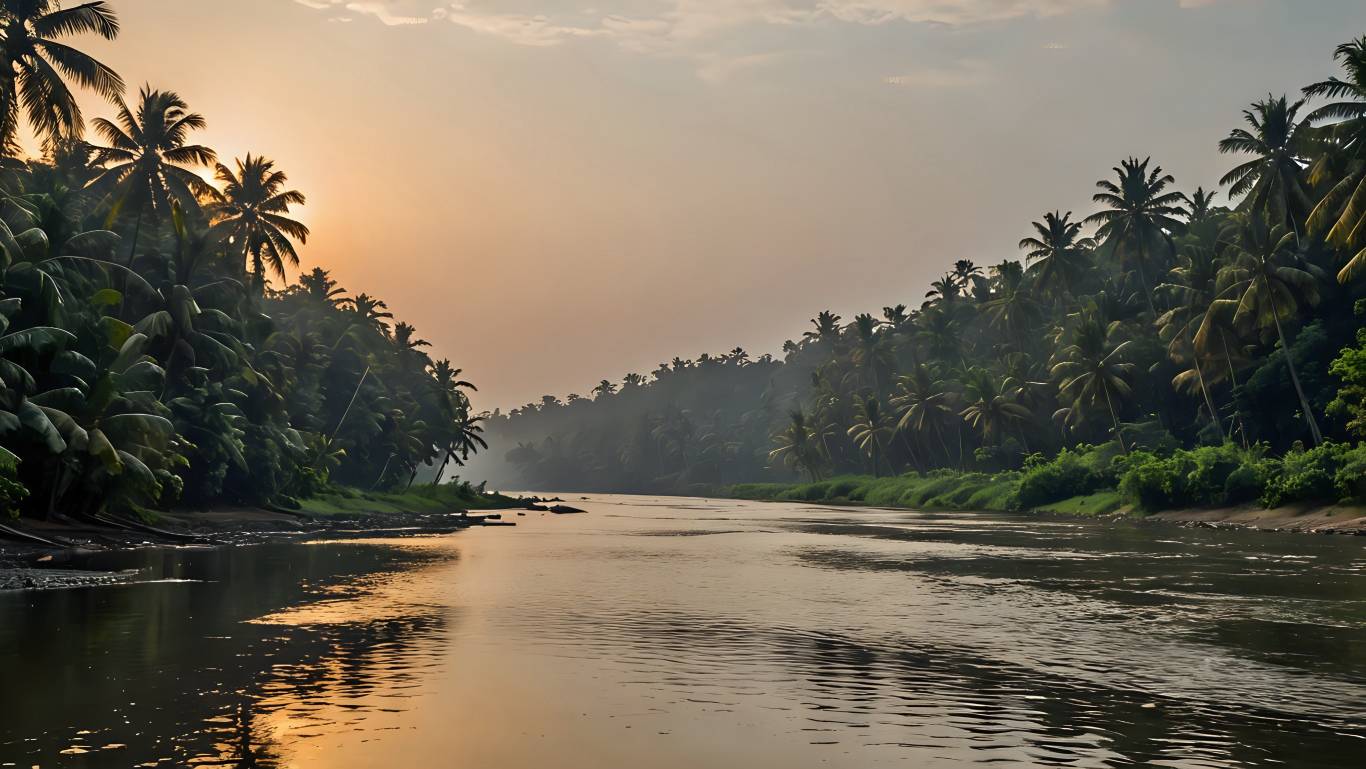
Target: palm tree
(871,430)
(945,289)
(1201,206)
(1268,283)
(926,405)
(369,312)
(604,389)
(321,288)
(870,353)
(1342,210)
(988,407)
(1059,253)
(35,62)
(252,215)
(1272,181)
(1093,371)
(827,326)
(1139,213)
(965,272)
(147,163)
(1013,308)
(1193,284)
(797,446)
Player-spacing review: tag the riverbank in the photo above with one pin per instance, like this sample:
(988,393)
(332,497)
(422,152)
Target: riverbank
(997,493)
(337,512)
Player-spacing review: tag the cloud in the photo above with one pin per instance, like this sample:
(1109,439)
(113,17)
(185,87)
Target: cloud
(393,13)
(630,21)
(705,32)
(962,74)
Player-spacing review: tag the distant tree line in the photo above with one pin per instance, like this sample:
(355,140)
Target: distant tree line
(1157,321)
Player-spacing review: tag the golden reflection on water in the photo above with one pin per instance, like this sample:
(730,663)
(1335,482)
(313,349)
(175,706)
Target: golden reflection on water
(682,634)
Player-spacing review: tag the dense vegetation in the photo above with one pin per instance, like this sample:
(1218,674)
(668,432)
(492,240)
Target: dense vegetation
(146,358)
(1183,352)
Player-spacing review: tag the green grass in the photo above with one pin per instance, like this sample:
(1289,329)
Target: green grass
(1100,503)
(344,501)
(938,491)
(942,491)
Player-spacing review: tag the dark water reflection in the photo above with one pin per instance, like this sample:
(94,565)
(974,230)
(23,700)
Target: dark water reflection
(685,633)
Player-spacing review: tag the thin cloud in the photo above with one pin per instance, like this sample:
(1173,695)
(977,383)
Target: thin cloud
(963,74)
(704,31)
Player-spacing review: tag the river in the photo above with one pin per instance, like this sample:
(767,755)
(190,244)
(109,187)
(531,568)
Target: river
(684,633)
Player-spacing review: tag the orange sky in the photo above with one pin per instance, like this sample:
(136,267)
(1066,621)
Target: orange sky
(553,196)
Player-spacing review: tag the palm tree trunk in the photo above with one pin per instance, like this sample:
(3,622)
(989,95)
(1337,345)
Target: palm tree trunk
(1119,434)
(1143,278)
(960,446)
(1233,379)
(1209,401)
(1290,364)
(442,471)
(948,455)
(137,231)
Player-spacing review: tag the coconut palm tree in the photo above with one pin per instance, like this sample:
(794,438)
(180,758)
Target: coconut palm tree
(252,217)
(871,430)
(1268,284)
(925,406)
(827,327)
(36,61)
(798,446)
(1273,180)
(945,289)
(1341,213)
(1192,283)
(147,163)
(1200,206)
(321,288)
(1058,257)
(367,312)
(988,407)
(1139,215)
(1093,371)
(1012,309)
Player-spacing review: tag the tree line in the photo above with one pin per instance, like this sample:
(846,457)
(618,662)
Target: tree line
(1154,322)
(152,352)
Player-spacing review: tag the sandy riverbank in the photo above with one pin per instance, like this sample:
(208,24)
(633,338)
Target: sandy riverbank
(1334,519)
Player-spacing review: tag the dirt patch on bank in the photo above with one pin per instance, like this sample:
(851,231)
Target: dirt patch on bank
(1333,519)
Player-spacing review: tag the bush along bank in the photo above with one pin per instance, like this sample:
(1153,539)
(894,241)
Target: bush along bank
(1103,479)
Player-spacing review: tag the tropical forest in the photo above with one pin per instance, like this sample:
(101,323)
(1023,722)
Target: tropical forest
(153,354)
(1181,343)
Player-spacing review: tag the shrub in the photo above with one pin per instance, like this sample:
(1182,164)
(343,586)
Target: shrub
(1244,484)
(1201,477)
(1350,478)
(1308,476)
(12,492)
(1066,475)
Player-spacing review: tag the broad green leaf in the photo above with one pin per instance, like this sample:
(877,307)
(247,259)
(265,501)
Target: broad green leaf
(36,420)
(106,297)
(100,448)
(39,339)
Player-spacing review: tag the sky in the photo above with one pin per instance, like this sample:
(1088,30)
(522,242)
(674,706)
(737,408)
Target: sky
(556,192)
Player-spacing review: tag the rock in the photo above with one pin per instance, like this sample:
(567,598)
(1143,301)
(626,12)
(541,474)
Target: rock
(565,509)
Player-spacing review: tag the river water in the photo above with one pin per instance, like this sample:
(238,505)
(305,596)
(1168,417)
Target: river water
(665,632)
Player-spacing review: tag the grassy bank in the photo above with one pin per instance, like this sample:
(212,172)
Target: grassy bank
(345,501)
(938,491)
(1319,489)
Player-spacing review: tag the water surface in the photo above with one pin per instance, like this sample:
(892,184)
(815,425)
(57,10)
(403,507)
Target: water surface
(685,633)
